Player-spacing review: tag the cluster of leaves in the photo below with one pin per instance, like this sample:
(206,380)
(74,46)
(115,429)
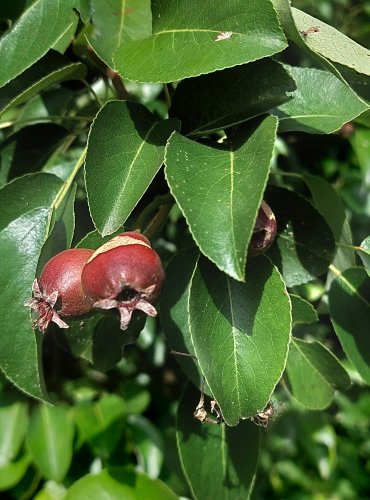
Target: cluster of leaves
(189,164)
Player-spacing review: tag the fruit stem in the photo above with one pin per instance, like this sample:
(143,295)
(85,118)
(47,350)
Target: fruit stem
(157,221)
(66,186)
(153,206)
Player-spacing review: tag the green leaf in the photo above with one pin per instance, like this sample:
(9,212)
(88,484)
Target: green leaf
(20,246)
(225,98)
(220,191)
(364,253)
(187,41)
(218,461)
(304,243)
(94,239)
(174,311)
(28,149)
(331,208)
(332,44)
(314,373)
(240,333)
(323,44)
(101,424)
(43,23)
(315,112)
(50,440)
(13,425)
(12,473)
(116,22)
(118,483)
(349,304)
(125,151)
(99,339)
(38,190)
(51,68)
(148,445)
(302,311)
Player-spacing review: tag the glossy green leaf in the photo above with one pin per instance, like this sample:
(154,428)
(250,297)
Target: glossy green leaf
(13,425)
(240,333)
(226,98)
(220,191)
(62,44)
(302,311)
(189,41)
(51,68)
(314,374)
(349,304)
(332,49)
(332,44)
(115,22)
(364,253)
(218,461)
(50,440)
(28,149)
(125,151)
(12,473)
(118,483)
(39,190)
(101,424)
(20,246)
(315,112)
(44,22)
(304,244)
(174,311)
(331,208)
(148,445)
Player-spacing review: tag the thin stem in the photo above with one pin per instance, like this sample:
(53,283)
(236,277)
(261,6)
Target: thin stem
(152,207)
(286,174)
(158,220)
(334,270)
(118,85)
(66,186)
(92,91)
(345,245)
(44,118)
(168,92)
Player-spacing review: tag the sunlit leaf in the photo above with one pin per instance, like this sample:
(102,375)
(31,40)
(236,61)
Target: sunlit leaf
(314,373)
(315,112)
(189,41)
(44,22)
(240,333)
(115,22)
(125,151)
(220,191)
(20,246)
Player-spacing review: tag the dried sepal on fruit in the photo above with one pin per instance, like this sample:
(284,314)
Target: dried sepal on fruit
(264,230)
(58,293)
(124,274)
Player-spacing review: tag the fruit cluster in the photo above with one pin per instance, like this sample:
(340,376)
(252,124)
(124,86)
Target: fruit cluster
(125,274)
